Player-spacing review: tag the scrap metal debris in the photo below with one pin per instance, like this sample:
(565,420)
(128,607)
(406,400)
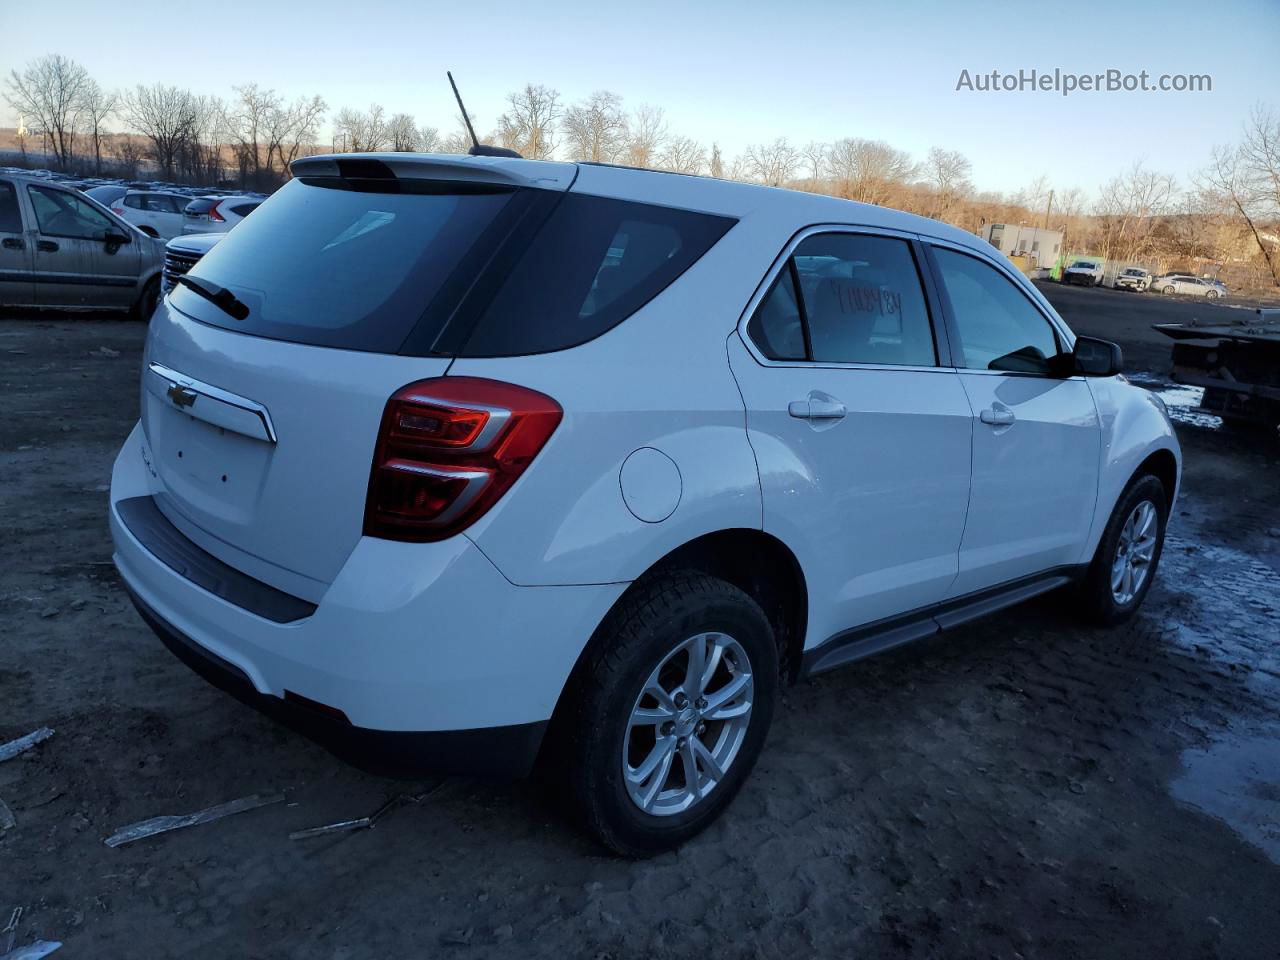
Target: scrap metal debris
(14,747)
(6,818)
(148,828)
(33,950)
(360,823)
(11,928)
(363,823)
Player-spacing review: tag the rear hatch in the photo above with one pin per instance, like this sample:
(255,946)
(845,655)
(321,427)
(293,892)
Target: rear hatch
(262,396)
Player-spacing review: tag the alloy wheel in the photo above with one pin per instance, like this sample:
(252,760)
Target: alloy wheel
(687,725)
(1134,552)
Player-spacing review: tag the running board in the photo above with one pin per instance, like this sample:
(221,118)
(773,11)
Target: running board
(869,639)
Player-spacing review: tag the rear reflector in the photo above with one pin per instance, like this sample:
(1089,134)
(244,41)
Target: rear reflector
(447,450)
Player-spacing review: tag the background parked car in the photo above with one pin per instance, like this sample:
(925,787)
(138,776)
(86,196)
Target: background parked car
(217,214)
(154,212)
(107,194)
(184,252)
(1084,271)
(59,248)
(1133,278)
(1189,286)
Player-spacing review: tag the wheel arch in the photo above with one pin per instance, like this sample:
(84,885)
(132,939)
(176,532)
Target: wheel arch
(758,563)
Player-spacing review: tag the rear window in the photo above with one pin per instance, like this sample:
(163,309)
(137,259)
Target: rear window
(197,207)
(244,209)
(339,267)
(459,269)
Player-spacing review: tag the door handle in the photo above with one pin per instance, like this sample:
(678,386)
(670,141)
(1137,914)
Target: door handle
(814,409)
(14,243)
(48,246)
(997,417)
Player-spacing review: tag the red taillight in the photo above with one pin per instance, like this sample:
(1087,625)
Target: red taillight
(447,450)
(215,216)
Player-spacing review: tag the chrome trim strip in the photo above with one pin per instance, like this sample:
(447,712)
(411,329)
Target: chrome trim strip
(216,393)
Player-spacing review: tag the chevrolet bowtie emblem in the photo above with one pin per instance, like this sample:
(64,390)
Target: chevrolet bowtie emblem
(181,396)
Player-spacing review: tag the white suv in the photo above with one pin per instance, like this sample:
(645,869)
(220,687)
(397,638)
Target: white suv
(470,461)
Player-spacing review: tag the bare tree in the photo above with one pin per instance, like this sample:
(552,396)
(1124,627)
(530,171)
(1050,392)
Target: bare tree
(529,124)
(683,155)
(815,155)
(248,117)
(646,134)
(51,90)
(868,170)
(717,162)
(429,139)
(96,105)
(402,131)
(947,172)
(293,128)
(362,131)
(165,116)
(772,164)
(127,154)
(594,128)
(1128,211)
(1235,180)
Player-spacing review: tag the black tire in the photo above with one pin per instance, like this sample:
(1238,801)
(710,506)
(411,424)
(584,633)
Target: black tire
(147,301)
(1099,604)
(589,729)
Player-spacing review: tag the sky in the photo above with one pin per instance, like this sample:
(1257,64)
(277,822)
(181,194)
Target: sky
(734,72)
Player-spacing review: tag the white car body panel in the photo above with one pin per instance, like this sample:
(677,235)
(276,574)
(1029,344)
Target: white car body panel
(873,505)
(1034,482)
(383,649)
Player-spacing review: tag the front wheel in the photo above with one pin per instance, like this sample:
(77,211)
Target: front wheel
(147,300)
(669,713)
(1128,554)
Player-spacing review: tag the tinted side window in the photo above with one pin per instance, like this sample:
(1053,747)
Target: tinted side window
(134,201)
(10,215)
(775,328)
(999,328)
(863,300)
(593,263)
(61,214)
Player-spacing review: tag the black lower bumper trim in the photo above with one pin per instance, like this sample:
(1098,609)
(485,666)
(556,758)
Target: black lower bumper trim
(168,545)
(505,752)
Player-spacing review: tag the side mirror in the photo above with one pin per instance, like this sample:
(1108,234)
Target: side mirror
(1097,358)
(114,241)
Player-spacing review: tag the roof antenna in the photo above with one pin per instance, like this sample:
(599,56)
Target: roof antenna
(477,148)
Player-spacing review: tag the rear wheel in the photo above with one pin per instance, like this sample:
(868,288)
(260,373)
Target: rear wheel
(1168,289)
(1128,553)
(669,713)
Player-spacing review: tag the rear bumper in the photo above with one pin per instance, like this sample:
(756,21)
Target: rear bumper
(410,641)
(499,752)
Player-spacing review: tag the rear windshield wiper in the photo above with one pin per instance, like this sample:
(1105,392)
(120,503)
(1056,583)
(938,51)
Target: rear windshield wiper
(220,297)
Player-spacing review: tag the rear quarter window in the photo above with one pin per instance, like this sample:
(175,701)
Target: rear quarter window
(10,217)
(594,262)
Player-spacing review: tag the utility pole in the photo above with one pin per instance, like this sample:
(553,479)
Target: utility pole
(1047,209)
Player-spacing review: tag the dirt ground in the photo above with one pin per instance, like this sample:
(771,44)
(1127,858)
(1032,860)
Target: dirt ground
(1022,787)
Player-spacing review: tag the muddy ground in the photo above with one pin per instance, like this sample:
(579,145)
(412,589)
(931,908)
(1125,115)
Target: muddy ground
(1023,787)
